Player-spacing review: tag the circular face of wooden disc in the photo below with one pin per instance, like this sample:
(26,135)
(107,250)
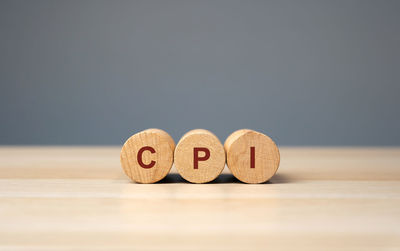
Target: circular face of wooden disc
(147,156)
(199,156)
(251,156)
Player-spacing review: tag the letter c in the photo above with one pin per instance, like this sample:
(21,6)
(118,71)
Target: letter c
(139,157)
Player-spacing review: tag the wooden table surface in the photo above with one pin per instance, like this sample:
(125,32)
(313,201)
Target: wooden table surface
(62,198)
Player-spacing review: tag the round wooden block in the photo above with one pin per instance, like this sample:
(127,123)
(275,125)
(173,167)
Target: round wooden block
(251,156)
(199,156)
(147,156)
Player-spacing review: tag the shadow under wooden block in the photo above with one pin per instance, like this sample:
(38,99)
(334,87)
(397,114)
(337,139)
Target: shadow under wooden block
(225,178)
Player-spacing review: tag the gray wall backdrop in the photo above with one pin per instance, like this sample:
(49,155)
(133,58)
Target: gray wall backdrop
(304,72)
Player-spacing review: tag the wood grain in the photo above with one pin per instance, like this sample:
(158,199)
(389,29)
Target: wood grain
(64,198)
(209,164)
(147,156)
(251,156)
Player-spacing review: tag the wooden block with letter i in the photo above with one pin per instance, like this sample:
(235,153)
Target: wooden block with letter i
(251,156)
(199,156)
(147,156)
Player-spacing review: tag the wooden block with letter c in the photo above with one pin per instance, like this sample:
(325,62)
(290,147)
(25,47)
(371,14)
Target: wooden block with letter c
(199,156)
(147,156)
(251,156)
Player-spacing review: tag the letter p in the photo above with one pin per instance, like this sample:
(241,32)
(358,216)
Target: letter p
(196,157)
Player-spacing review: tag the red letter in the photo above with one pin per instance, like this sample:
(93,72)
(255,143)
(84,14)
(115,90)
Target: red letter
(252,157)
(196,157)
(139,157)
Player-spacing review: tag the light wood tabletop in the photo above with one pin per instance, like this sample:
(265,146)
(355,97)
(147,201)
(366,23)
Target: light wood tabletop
(63,198)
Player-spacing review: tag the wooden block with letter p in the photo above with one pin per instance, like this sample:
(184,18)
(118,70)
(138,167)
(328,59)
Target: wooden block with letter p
(199,156)
(147,156)
(251,156)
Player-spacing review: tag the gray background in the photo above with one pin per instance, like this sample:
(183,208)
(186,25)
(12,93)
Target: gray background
(304,72)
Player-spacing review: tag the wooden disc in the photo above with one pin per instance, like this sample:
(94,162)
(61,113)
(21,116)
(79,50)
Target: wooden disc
(251,156)
(147,156)
(199,156)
